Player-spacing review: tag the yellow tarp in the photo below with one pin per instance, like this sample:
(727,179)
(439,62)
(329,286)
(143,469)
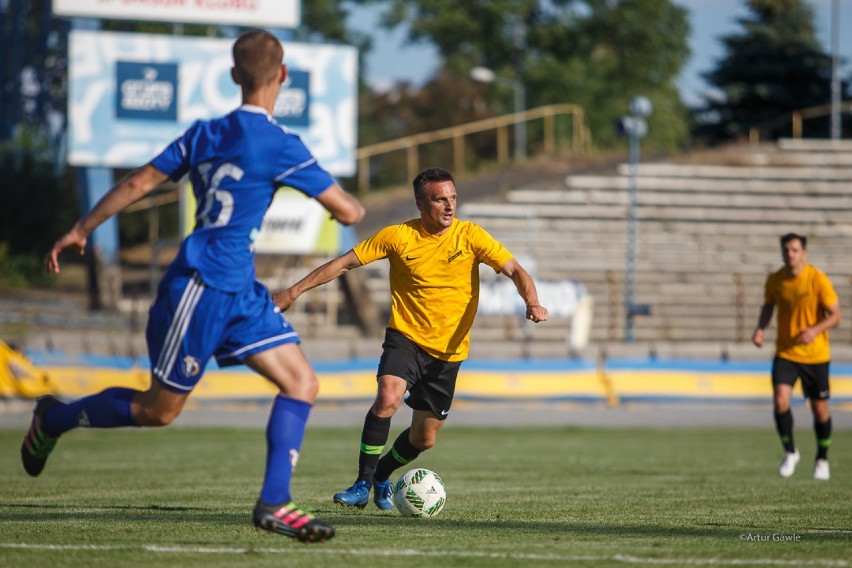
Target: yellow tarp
(19,377)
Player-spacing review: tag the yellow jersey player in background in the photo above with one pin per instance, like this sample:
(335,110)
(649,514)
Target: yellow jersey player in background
(434,281)
(807,309)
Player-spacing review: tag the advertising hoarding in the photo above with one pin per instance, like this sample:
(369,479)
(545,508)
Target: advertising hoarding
(132,94)
(264,13)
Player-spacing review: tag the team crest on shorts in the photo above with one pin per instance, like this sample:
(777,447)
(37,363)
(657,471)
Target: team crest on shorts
(191,366)
(83,420)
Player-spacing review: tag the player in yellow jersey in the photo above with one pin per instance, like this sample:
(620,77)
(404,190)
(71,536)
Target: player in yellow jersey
(434,281)
(807,309)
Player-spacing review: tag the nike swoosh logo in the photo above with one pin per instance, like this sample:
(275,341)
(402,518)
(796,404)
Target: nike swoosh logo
(411,257)
(444,412)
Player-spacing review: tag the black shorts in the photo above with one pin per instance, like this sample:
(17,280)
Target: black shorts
(431,382)
(814,377)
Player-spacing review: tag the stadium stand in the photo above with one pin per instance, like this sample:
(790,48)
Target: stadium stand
(708,228)
(707,237)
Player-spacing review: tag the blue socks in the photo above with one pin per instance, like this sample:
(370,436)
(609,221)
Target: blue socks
(284,434)
(107,409)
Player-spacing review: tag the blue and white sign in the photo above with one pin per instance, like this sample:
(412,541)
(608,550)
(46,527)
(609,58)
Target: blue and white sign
(98,135)
(147,91)
(293,104)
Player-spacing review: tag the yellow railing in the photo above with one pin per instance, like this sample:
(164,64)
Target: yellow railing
(580,142)
(580,139)
(795,119)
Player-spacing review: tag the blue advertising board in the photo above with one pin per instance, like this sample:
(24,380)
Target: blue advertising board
(132,94)
(146,91)
(293,105)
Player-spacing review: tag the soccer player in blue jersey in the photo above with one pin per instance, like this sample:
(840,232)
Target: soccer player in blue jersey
(209,303)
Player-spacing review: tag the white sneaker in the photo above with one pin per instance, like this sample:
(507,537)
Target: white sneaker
(821,471)
(788,464)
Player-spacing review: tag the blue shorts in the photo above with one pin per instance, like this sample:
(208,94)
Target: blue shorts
(189,323)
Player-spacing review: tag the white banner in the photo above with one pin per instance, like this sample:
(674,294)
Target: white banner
(291,225)
(560,297)
(294,224)
(264,13)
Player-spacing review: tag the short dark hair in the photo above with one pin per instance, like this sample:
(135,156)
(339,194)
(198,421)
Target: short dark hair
(793,236)
(428,176)
(258,56)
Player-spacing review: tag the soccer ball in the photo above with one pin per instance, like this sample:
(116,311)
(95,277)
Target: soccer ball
(420,493)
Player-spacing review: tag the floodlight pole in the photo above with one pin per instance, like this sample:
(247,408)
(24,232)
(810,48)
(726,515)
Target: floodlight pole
(835,79)
(632,223)
(635,127)
(519,103)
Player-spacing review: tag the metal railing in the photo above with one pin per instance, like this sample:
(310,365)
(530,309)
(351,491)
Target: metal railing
(795,119)
(580,139)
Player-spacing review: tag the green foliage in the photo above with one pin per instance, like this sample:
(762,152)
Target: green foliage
(771,68)
(37,207)
(634,48)
(596,53)
(405,111)
(515,497)
(14,270)
(326,20)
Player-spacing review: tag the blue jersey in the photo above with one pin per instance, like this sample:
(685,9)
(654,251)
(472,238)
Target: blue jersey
(235,164)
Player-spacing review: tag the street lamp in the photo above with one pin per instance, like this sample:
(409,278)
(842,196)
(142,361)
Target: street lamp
(635,127)
(485,75)
(835,78)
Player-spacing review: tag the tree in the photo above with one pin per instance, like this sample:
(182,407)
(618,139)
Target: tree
(595,53)
(33,92)
(618,50)
(32,79)
(36,203)
(773,67)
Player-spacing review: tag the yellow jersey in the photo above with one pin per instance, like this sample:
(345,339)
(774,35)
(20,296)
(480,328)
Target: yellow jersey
(434,281)
(800,302)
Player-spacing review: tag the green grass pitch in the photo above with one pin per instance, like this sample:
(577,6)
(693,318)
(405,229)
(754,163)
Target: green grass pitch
(182,496)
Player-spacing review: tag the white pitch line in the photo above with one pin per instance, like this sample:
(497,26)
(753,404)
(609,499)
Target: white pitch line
(325,549)
(728,561)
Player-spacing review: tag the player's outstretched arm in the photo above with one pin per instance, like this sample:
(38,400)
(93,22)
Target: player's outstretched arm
(130,189)
(526,288)
(343,206)
(317,277)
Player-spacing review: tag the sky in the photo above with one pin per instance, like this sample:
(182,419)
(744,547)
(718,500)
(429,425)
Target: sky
(391,60)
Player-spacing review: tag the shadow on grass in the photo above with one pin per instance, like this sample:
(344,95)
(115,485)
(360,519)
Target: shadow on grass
(345,520)
(516,529)
(100,507)
(70,513)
